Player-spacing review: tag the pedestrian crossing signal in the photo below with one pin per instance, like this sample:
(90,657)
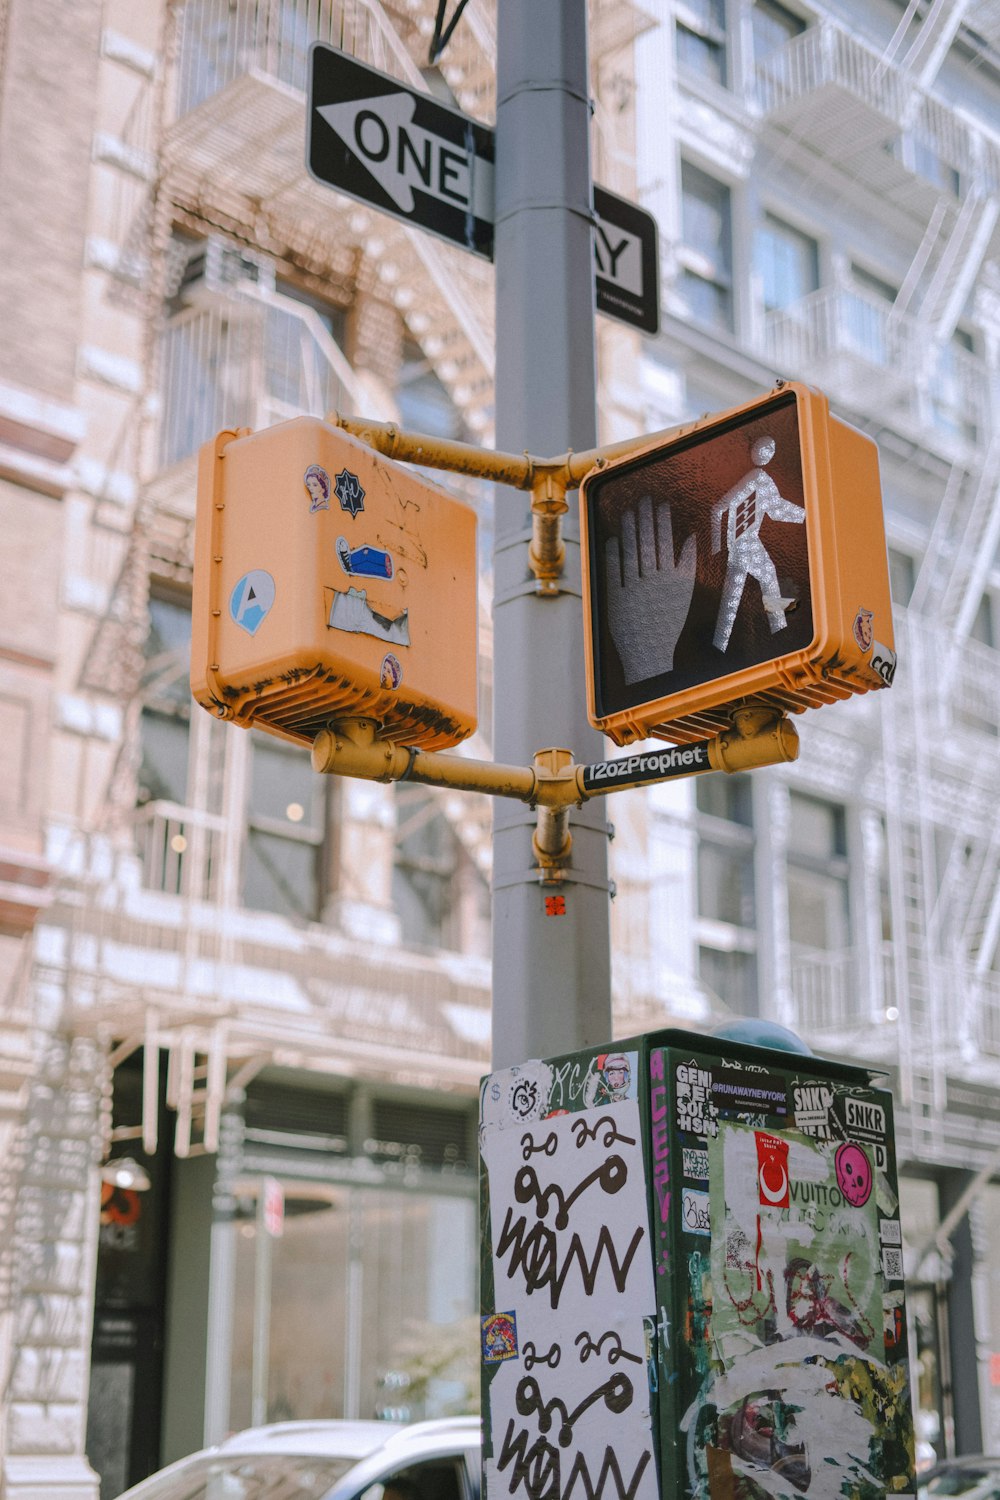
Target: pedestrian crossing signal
(331,583)
(742,561)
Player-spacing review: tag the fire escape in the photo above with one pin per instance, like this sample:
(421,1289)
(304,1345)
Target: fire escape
(160,952)
(219,209)
(831,102)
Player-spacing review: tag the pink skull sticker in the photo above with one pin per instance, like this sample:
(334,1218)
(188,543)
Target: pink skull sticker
(854,1174)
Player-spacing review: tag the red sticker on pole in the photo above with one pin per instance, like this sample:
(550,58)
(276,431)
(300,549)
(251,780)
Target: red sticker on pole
(772,1170)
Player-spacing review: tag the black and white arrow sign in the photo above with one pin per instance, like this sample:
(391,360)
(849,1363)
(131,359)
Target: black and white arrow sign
(626,261)
(374,139)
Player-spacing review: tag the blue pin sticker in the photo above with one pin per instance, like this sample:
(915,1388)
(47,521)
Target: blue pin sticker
(349,491)
(251,600)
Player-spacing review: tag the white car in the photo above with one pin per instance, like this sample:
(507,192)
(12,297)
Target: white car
(329,1461)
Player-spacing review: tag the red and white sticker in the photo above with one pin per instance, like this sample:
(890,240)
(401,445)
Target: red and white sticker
(772,1170)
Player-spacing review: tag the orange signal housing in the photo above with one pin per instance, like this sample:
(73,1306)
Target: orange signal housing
(331,583)
(843,634)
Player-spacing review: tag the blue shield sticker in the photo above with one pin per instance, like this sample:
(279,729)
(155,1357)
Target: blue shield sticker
(251,600)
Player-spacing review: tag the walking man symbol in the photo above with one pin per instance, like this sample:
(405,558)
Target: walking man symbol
(748,502)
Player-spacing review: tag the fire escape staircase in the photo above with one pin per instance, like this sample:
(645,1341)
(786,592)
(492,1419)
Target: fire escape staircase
(237,147)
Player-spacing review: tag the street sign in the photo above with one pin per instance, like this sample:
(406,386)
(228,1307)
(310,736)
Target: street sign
(742,561)
(627,262)
(376,140)
(371,137)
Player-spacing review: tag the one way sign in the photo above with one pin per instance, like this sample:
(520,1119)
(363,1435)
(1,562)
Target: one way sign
(371,137)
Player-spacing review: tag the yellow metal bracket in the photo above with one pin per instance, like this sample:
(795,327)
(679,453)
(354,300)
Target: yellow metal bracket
(548,479)
(554,782)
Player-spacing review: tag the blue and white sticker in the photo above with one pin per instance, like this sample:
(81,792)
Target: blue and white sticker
(251,600)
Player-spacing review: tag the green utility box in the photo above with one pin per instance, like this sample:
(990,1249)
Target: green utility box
(692,1278)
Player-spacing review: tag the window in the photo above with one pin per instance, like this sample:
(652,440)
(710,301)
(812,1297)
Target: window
(701,38)
(286,819)
(706,224)
(424,403)
(726,898)
(166,701)
(981,628)
(874,286)
(920,153)
(732,976)
(818,890)
(232,360)
(953,390)
(869,329)
(728,797)
(902,576)
(773,28)
(787,262)
(725,882)
(440,895)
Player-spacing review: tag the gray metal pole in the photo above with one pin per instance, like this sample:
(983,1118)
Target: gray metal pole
(551,972)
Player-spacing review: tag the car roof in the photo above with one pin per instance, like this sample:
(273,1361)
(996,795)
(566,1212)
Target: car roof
(345,1439)
(964,1461)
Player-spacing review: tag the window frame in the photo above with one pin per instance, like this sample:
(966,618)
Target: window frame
(832,867)
(269,827)
(773,224)
(712,33)
(716,271)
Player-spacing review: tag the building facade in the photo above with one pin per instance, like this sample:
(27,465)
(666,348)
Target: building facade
(271,991)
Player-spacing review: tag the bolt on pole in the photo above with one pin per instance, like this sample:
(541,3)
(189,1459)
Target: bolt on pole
(551,974)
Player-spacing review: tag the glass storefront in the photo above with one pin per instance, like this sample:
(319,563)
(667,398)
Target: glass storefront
(347,1301)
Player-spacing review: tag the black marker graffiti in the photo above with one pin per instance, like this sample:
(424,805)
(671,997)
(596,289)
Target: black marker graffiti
(533,1358)
(524,1097)
(585,1132)
(612,1176)
(616,1393)
(618,1350)
(533,1254)
(538,1469)
(549,1146)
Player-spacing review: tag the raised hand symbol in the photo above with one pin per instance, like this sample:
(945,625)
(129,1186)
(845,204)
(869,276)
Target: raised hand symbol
(648,597)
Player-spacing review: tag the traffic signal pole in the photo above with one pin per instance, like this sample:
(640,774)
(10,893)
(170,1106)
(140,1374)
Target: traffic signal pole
(551,973)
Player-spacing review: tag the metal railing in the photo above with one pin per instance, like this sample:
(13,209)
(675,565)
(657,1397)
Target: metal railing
(842,321)
(832,994)
(841,337)
(247,360)
(934,141)
(221,40)
(972,700)
(224,41)
(830,991)
(987,1027)
(960,396)
(181,850)
(824,54)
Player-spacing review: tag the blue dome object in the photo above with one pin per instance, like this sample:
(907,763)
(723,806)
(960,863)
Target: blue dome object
(754,1032)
